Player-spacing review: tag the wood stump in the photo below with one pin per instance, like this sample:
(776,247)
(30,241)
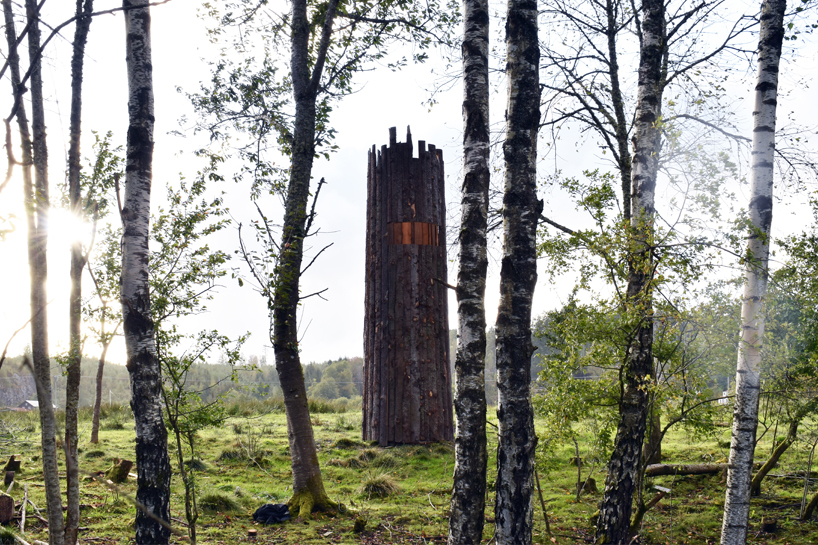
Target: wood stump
(118,472)
(13,464)
(769,525)
(588,487)
(407,379)
(8,478)
(6,509)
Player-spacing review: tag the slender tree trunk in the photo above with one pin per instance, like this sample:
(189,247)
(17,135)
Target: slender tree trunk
(153,481)
(35,195)
(308,486)
(468,497)
(810,509)
(514,506)
(620,485)
(745,413)
(781,448)
(624,158)
(98,389)
(72,391)
(653,447)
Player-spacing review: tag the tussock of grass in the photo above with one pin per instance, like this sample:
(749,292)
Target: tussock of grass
(217,502)
(369,454)
(94,454)
(6,537)
(196,464)
(232,455)
(351,463)
(346,443)
(379,486)
(384,460)
(343,423)
(419,452)
(443,448)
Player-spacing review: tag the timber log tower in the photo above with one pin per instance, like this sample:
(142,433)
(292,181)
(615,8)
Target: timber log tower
(407,378)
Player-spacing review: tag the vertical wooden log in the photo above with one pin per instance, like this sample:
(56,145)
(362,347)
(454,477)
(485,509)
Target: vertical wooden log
(407,381)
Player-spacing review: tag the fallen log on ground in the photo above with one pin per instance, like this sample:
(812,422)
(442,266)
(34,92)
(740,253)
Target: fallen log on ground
(655,470)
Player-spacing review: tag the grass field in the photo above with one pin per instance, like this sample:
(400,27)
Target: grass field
(401,493)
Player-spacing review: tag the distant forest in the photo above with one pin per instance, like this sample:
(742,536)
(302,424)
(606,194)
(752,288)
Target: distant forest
(327,380)
(334,379)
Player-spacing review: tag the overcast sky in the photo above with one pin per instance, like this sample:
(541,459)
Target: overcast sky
(329,329)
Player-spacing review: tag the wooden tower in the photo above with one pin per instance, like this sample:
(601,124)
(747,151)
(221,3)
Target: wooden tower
(407,380)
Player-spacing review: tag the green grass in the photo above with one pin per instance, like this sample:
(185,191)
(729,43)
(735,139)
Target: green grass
(402,493)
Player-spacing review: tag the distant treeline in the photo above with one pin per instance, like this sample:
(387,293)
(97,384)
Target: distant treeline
(342,378)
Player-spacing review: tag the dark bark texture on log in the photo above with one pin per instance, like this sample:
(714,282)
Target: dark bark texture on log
(407,380)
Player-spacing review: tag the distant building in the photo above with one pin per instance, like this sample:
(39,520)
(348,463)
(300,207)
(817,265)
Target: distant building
(31,404)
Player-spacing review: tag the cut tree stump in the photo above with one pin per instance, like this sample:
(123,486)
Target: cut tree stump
(6,509)
(769,525)
(588,486)
(9,478)
(13,464)
(118,472)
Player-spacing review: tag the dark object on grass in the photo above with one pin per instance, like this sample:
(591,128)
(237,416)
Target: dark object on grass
(588,486)
(6,508)
(769,525)
(13,464)
(360,525)
(272,513)
(9,478)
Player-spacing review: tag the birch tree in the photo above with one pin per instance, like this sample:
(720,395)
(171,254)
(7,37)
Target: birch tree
(35,196)
(468,496)
(745,413)
(78,260)
(153,463)
(613,525)
(518,275)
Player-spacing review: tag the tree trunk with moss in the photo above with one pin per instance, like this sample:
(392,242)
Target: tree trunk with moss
(745,414)
(514,506)
(308,487)
(613,525)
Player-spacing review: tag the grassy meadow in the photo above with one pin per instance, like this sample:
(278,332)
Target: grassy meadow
(400,493)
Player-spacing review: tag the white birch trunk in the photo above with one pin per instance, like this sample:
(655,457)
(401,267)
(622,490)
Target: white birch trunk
(153,480)
(745,415)
(514,508)
(613,525)
(468,496)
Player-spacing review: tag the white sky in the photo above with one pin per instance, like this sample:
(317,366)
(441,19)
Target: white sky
(329,329)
